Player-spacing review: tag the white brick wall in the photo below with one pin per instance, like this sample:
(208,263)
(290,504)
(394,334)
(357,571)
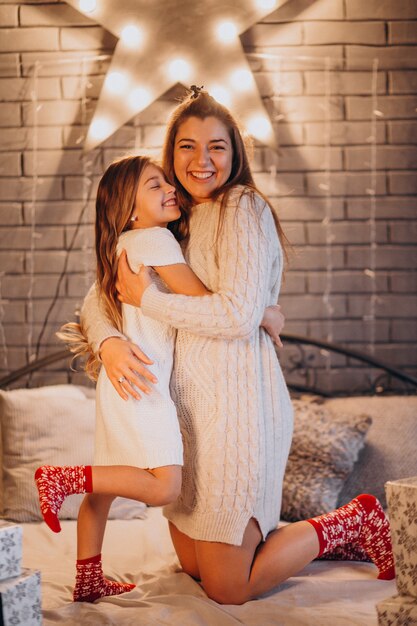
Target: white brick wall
(344,36)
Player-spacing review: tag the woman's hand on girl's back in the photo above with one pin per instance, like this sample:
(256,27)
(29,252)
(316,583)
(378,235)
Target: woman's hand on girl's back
(124,364)
(131,286)
(273,322)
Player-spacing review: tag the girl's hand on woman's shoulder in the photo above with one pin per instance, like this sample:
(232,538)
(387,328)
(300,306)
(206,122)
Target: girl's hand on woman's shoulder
(273,321)
(124,363)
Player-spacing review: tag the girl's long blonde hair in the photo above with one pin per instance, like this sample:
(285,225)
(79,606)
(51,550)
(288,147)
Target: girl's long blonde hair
(115,202)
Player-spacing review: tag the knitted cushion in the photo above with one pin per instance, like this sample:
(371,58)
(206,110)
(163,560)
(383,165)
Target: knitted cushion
(324,449)
(50,425)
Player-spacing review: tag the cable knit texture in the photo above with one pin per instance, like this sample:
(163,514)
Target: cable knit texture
(233,405)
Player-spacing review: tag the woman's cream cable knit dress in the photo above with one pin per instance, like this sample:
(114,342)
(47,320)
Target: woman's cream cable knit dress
(233,405)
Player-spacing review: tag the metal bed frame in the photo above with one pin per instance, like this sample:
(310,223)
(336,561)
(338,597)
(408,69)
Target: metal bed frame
(301,363)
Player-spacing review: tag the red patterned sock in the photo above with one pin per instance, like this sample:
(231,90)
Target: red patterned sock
(376,536)
(55,484)
(90,583)
(347,552)
(361,522)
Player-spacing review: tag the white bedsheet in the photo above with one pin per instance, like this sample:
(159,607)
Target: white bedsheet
(326,593)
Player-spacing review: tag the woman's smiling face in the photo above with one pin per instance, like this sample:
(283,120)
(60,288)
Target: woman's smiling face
(203,156)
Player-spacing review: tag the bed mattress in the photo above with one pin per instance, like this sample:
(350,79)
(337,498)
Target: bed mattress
(326,593)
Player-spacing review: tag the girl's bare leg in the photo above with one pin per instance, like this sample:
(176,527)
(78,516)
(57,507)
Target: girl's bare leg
(156,487)
(235,574)
(91,524)
(90,582)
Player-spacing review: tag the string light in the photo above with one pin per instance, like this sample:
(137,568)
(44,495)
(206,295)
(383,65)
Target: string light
(226,32)
(88,6)
(132,36)
(179,70)
(101,128)
(116,82)
(266,5)
(221,94)
(259,126)
(140,98)
(241,79)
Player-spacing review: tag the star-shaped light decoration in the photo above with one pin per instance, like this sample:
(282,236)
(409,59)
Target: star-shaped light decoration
(165,42)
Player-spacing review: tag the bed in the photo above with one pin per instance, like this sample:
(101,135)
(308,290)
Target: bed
(358,450)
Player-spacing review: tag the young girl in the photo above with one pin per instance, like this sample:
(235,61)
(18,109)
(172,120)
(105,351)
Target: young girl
(138,446)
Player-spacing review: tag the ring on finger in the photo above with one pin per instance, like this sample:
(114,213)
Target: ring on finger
(121,379)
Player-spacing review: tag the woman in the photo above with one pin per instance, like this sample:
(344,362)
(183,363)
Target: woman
(234,409)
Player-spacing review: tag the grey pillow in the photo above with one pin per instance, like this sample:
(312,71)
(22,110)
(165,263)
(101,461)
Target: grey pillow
(51,425)
(324,449)
(390,451)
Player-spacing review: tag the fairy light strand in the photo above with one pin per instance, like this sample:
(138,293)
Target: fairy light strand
(372,208)
(328,201)
(35,180)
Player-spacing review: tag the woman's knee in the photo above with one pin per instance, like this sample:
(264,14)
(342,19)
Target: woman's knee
(226,592)
(226,569)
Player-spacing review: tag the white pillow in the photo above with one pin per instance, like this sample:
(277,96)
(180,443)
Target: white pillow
(48,426)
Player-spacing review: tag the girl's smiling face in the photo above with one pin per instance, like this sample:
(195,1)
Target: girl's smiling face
(203,156)
(156,202)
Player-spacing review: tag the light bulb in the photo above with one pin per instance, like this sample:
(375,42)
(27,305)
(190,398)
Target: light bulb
(266,5)
(221,94)
(241,79)
(179,70)
(132,36)
(87,6)
(259,126)
(116,82)
(226,32)
(101,128)
(139,98)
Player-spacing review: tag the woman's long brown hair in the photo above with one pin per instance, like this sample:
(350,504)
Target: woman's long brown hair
(202,105)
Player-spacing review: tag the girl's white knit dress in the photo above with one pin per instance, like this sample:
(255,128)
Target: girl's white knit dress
(233,405)
(143,433)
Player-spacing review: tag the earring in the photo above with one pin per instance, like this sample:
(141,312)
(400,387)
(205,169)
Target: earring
(134,218)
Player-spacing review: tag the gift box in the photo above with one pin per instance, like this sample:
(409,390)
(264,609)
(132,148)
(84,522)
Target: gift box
(20,600)
(10,550)
(402,505)
(397,610)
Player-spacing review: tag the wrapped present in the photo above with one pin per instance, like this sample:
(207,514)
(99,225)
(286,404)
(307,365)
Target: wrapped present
(10,549)
(397,610)
(20,600)
(402,505)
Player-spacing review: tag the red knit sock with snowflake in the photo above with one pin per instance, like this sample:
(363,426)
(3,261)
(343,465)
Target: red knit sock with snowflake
(347,552)
(55,483)
(361,522)
(90,584)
